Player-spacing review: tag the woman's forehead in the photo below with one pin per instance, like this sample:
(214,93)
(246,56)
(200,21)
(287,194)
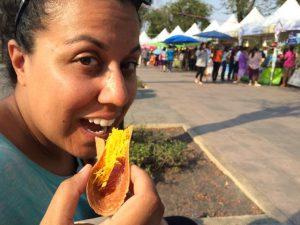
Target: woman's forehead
(113,11)
(110,18)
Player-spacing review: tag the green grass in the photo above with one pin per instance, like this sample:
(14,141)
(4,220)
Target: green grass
(154,151)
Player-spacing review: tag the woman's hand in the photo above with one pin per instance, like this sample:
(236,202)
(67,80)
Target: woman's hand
(64,202)
(143,208)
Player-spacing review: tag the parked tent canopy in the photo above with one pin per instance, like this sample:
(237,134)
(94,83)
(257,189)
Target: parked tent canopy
(144,38)
(248,24)
(230,26)
(177,31)
(214,25)
(161,36)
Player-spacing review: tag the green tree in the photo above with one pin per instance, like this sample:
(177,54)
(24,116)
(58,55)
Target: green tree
(181,12)
(239,7)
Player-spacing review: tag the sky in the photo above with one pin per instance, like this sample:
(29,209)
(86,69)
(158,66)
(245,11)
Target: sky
(218,14)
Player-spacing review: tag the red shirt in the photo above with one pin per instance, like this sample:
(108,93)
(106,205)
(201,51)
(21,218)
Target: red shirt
(217,56)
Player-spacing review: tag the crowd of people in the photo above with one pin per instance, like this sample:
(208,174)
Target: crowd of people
(231,63)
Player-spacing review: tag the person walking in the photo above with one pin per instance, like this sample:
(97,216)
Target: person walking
(201,63)
(288,65)
(254,61)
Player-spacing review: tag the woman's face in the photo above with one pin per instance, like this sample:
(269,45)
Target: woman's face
(81,79)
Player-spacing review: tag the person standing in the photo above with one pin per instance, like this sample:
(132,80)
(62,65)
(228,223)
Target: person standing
(164,59)
(236,64)
(242,64)
(201,63)
(288,65)
(170,53)
(217,59)
(254,61)
(209,67)
(231,56)
(225,60)
(145,56)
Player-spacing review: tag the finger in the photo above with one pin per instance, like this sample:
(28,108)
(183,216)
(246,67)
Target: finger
(141,180)
(145,195)
(64,202)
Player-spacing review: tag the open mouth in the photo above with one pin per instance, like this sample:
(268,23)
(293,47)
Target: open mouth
(97,126)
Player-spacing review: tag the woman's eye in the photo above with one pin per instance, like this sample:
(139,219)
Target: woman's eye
(131,66)
(88,61)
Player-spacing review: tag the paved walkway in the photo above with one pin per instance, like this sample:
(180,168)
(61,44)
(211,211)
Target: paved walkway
(251,133)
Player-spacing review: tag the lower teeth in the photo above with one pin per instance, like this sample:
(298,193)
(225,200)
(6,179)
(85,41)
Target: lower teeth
(104,130)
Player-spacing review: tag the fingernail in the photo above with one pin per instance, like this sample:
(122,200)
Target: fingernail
(84,168)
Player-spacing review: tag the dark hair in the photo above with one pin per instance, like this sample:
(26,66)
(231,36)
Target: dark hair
(202,46)
(33,18)
(253,51)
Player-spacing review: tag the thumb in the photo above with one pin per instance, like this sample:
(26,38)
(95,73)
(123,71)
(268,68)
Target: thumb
(64,202)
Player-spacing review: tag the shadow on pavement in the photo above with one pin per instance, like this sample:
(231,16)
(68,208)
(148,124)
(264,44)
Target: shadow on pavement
(145,93)
(267,113)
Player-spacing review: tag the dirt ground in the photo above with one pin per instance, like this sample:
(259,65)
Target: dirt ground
(201,189)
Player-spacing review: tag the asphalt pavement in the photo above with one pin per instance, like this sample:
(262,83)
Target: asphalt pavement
(251,133)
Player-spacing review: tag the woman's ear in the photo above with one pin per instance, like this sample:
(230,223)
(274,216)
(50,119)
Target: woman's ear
(17,58)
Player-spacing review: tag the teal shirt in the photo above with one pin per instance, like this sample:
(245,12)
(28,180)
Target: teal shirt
(26,189)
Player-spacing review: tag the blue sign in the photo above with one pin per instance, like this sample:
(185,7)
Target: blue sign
(294,38)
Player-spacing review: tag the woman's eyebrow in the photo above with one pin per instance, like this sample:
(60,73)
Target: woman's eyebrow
(87,38)
(135,49)
(96,42)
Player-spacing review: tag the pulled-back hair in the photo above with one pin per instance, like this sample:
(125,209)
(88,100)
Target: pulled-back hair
(33,18)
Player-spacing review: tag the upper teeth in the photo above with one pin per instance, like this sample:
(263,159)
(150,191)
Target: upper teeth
(102,122)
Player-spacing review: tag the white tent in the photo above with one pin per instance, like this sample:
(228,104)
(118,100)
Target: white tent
(230,26)
(194,29)
(161,36)
(288,16)
(250,22)
(177,31)
(214,25)
(253,17)
(285,18)
(144,38)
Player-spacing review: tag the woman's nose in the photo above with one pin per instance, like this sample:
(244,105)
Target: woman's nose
(114,90)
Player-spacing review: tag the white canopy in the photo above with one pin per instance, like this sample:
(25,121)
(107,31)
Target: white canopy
(214,25)
(285,18)
(144,38)
(161,36)
(177,31)
(288,16)
(253,17)
(194,29)
(251,21)
(230,26)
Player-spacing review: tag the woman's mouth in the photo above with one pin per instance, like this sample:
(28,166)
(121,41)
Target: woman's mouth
(97,126)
